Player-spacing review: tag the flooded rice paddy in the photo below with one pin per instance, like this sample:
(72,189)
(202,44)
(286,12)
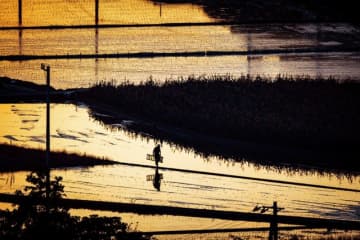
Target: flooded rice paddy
(74,130)
(304,40)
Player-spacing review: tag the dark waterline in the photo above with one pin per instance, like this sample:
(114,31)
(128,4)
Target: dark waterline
(180,54)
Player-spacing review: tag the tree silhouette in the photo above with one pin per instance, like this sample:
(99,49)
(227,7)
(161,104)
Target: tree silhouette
(41,218)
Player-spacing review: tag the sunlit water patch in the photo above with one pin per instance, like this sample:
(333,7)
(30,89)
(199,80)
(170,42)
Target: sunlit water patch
(85,73)
(82,73)
(65,12)
(73,130)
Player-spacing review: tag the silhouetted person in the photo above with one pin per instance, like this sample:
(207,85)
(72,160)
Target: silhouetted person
(157,154)
(157,179)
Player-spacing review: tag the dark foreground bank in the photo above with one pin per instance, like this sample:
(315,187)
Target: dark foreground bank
(15,158)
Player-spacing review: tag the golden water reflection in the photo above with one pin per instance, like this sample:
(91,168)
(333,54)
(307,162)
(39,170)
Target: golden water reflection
(70,73)
(73,130)
(84,73)
(65,12)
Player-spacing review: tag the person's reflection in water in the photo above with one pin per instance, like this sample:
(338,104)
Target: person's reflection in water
(157,179)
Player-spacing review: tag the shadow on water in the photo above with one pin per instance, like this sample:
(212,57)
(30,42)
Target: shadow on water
(275,11)
(288,161)
(314,20)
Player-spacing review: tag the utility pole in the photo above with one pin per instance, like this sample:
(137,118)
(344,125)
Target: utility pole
(160,10)
(274,230)
(20,11)
(273,235)
(96,12)
(20,41)
(46,68)
(249,49)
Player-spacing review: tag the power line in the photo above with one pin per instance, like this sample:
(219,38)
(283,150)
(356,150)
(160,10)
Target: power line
(169,24)
(146,209)
(242,177)
(210,53)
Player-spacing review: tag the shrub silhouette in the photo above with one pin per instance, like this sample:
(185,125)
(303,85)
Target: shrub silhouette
(48,220)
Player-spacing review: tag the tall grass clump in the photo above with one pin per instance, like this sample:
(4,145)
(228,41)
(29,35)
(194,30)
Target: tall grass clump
(289,110)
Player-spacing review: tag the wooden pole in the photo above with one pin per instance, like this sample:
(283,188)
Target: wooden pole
(20,12)
(273,233)
(96,12)
(96,53)
(47,130)
(20,42)
(275,221)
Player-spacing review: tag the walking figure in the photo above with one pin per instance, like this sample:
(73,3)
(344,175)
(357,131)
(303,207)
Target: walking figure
(157,154)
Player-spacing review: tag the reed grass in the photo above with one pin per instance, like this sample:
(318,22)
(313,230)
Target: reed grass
(287,109)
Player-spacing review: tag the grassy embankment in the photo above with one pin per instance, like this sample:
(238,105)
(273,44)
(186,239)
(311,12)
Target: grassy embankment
(15,158)
(307,115)
(270,121)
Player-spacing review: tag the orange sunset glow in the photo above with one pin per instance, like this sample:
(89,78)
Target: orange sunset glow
(174,120)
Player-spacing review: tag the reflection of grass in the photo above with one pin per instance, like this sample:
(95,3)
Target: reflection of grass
(274,162)
(301,111)
(319,114)
(16,158)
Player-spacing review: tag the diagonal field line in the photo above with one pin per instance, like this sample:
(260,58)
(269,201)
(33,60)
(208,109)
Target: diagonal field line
(241,177)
